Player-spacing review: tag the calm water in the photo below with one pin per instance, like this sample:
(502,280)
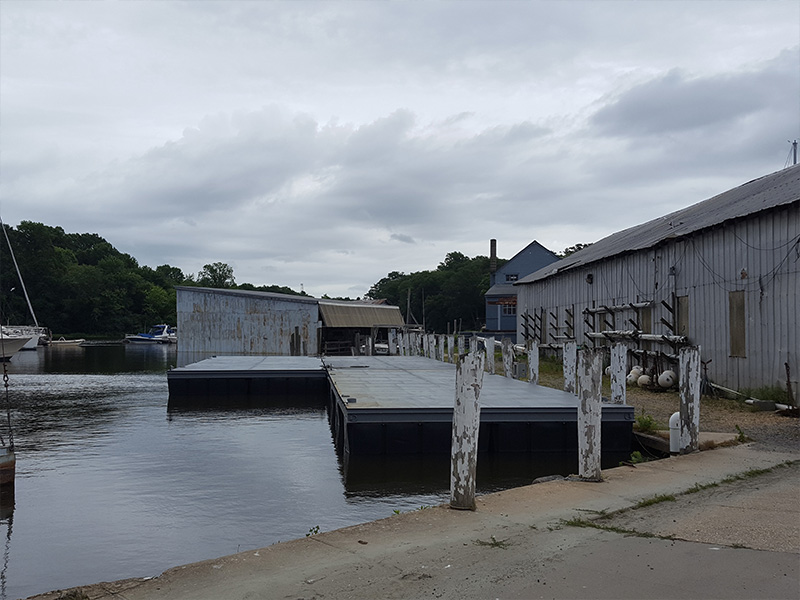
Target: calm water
(110,485)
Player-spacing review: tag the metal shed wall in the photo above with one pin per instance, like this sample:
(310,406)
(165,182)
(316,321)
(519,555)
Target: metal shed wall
(757,256)
(218,321)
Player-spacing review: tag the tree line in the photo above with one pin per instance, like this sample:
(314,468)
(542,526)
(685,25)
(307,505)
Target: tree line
(79,284)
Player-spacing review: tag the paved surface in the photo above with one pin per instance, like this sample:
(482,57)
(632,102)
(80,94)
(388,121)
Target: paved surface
(560,539)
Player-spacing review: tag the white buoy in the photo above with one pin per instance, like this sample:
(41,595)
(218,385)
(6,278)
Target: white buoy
(667,379)
(644,381)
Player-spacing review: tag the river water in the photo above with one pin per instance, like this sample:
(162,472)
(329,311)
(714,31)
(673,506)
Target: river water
(111,485)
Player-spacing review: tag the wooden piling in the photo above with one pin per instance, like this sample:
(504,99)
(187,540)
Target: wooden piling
(689,386)
(450,347)
(570,361)
(590,370)
(619,369)
(466,423)
(490,345)
(533,363)
(460,345)
(508,358)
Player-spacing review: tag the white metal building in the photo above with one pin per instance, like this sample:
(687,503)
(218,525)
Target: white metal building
(723,272)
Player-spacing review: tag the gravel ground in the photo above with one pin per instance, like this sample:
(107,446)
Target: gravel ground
(719,415)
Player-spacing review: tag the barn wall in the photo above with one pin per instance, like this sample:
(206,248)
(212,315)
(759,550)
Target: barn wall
(707,274)
(242,323)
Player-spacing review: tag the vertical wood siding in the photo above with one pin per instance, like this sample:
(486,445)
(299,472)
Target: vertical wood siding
(759,256)
(239,324)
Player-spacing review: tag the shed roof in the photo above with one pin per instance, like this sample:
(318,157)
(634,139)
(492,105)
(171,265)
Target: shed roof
(249,294)
(355,314)
(771,191)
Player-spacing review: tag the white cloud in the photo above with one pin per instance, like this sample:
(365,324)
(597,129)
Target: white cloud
(330,143)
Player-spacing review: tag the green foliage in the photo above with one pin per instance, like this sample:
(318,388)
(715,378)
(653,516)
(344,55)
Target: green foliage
(79,283)
(646,424)
(313,531)
(453,292)
(216,275)
(571,250)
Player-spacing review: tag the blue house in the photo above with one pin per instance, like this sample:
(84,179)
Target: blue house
(501,298)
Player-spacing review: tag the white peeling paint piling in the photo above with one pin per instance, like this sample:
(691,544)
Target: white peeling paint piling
(450,346)
(570,366)
(508,358)
(466,423)
(590,372)
(533,363)
(689,385)
(473,344)
(440,348)
(619,369)
(461,345)
(490,345)
(392,342)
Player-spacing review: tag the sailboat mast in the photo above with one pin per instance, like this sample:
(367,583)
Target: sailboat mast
(21,281)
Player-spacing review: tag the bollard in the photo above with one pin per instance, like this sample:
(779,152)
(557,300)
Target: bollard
(590,372)
(533,363)
(675,433)
(466,424)
(619,368)
(689,386)
(508,358)
(570,365)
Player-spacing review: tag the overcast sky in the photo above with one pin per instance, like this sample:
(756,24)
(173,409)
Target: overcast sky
(326,144)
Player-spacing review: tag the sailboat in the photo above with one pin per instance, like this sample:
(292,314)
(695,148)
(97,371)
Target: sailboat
(36,335)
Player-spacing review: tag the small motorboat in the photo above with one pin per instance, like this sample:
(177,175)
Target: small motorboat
(158,334)
(64,342)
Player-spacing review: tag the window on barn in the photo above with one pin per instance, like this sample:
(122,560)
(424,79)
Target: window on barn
(737,323)
(509,309)
(512,276)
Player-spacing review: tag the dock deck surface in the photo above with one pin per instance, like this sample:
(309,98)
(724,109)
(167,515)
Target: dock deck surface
(421,383)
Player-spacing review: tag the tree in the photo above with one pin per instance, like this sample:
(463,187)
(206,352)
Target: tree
(216,275)
(571,250)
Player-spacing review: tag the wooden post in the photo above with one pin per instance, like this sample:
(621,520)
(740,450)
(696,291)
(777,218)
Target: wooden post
(431,346)
(570,366)
(590,371)
(461,346)
(450,344)
(473,344)
(508,358)
(392,342)
(466,423)
(619,369)
(689,386)
(533,363)
(440,347)
(489,342)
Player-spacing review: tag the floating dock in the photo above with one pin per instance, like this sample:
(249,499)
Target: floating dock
(396,405)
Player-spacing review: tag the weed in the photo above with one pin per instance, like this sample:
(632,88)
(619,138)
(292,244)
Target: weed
(768,393)
(741,437)
(636,458)
(646,423)
(313,531)
(424,506)
(655,500)
(494,543)
(76,594)
(578,522)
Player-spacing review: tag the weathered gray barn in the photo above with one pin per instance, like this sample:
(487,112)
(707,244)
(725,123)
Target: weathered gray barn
(240,322)
(723,272)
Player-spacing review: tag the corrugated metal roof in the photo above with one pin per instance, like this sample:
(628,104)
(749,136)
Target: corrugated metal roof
(770,191)
(249,293)
(353,314)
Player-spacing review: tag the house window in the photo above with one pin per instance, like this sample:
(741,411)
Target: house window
(512,276)
(509,310)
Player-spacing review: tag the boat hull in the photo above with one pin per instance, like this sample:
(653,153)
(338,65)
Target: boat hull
(8,465)
(10,345)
